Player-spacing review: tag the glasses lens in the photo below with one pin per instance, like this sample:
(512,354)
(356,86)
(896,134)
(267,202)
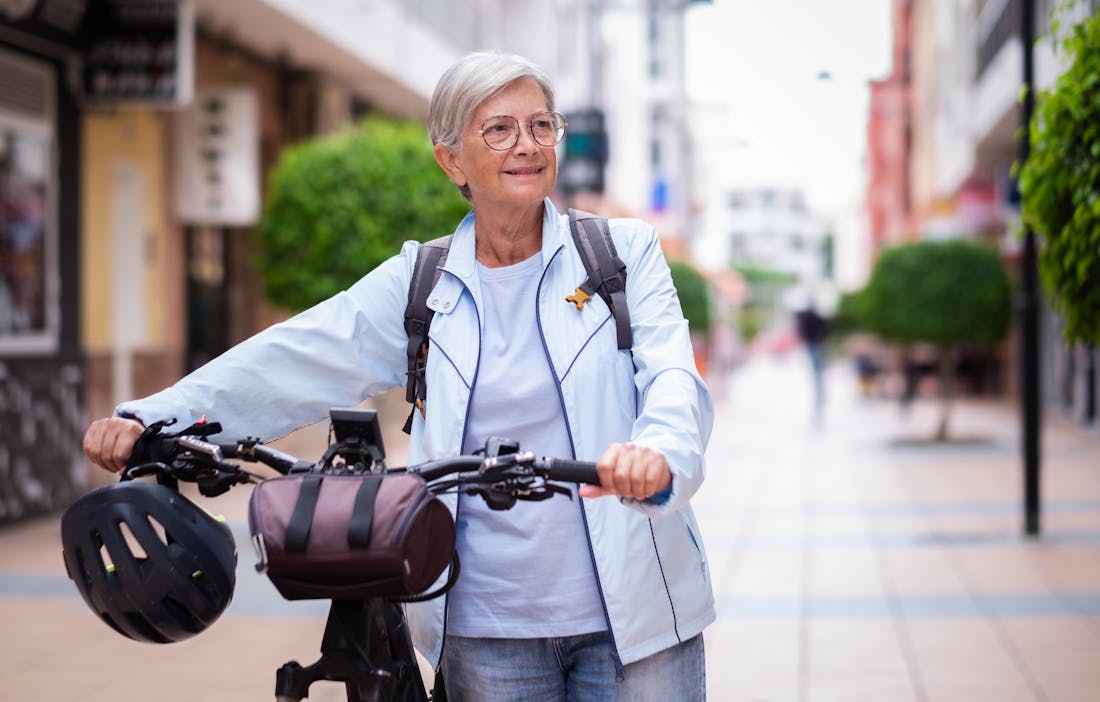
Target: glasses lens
(548,128)
(500,132)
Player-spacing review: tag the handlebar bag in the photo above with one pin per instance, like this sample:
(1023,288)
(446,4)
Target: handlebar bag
(323,536)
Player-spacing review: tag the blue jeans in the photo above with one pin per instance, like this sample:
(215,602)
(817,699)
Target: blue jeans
(575,668)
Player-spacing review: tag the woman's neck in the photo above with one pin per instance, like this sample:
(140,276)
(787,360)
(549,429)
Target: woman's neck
(507,238)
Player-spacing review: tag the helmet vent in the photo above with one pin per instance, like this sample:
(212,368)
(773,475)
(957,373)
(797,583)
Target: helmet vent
(131,541)
(182,614)
(105,561)
(159,530)
(142,630)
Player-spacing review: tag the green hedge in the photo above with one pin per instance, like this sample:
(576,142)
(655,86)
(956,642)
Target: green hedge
(694,295)
(338,206)
(939,292)
(1060,183)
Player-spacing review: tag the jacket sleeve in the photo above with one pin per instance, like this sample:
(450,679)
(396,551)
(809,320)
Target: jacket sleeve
(335,354)
(675,413)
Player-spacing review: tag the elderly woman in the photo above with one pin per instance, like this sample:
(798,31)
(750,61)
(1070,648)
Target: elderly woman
(603,598)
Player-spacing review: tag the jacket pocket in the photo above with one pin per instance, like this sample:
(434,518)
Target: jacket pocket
(680,550)
(692,529)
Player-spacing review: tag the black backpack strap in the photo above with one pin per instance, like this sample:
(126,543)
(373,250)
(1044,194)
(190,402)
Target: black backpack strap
(606,271)
(418,317)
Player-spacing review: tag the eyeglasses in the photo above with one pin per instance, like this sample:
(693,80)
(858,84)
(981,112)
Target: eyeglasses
(502,132)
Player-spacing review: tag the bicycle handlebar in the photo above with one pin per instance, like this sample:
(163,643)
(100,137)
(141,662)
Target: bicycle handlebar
(500,480)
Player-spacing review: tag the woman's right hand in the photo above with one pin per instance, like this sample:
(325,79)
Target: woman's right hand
(109,442)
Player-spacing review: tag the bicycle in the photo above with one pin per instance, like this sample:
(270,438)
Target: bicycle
(366,642)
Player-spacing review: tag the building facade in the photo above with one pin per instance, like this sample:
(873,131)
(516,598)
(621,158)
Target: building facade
(943,140)
(137,138)
(42,373)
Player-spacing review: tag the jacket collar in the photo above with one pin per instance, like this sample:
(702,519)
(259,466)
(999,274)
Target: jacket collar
(461,260)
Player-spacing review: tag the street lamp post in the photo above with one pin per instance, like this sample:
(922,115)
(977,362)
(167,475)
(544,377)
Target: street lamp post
(1029,300)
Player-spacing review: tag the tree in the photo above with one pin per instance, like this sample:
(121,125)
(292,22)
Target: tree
(766,286)
(691,288)
(944,293)
(1060,183)
(339,206)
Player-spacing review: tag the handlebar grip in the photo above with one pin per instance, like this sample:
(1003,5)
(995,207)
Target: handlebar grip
(573,471)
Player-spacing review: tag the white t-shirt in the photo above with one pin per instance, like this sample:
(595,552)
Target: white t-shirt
(526,572)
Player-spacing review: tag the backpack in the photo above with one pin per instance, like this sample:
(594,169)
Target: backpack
(606,278)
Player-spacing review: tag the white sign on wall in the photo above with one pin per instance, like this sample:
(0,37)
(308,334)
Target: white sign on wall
(217,179)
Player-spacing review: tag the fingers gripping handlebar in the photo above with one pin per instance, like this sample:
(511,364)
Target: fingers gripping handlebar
(501,480)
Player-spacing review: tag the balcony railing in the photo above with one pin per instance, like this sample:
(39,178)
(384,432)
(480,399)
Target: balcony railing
(1000,20)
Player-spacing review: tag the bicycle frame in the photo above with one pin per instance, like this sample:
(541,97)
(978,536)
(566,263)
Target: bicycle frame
(367,646)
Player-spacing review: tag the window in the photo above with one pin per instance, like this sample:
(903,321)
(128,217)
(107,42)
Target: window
(28,268)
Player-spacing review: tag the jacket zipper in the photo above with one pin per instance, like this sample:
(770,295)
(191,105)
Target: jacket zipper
(461,443)
(620,673)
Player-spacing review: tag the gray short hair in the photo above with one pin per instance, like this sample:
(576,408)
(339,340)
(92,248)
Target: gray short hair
(471,81)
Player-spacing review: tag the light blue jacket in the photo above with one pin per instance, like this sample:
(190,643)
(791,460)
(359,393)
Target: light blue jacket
(649,557)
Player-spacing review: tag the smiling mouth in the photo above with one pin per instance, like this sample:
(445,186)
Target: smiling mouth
(524,171)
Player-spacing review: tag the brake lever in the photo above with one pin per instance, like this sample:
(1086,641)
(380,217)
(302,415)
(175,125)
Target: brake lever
(141,470)
(496,499)
(220,482)
(545,491)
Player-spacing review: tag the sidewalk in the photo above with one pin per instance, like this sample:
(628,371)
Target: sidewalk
(853,561)
(850,560)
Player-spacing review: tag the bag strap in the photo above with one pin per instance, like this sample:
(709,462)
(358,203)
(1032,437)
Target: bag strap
(297,530)
(362,513)
(606,271)
(298,589)
(430,258)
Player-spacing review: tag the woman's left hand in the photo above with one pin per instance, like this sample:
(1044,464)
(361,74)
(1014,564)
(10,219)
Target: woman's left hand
(630,470)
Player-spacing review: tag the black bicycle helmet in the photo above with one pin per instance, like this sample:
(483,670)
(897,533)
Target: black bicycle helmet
(178,582)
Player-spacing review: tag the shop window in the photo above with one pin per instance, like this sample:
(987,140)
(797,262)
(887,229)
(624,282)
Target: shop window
(28,231)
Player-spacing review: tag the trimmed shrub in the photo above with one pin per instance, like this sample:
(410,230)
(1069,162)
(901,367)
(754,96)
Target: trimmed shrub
(939,292)
(694,295)
(339,206)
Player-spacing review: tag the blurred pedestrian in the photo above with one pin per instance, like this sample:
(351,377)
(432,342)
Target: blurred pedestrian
(813,330)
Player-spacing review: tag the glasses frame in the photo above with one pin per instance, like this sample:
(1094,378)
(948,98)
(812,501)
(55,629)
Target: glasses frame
(519,124)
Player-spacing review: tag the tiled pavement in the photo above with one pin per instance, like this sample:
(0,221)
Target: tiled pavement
(851,561)
(855,561)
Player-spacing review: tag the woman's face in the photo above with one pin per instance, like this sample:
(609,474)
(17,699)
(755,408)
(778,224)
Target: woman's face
(519,176)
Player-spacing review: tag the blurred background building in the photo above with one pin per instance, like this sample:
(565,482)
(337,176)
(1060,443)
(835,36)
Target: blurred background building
(136,137)
(942,139)
(771,227)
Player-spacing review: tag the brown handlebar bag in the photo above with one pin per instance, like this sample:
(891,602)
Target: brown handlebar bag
(321,536)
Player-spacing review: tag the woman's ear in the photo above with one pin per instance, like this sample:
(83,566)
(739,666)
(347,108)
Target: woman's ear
(447,159)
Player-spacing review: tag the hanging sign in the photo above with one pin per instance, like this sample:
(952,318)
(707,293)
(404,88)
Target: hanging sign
(139,51)
(217,179)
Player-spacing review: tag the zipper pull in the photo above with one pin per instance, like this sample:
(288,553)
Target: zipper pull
(261,552)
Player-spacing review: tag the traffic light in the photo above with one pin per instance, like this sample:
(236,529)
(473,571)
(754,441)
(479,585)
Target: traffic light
(586,152)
